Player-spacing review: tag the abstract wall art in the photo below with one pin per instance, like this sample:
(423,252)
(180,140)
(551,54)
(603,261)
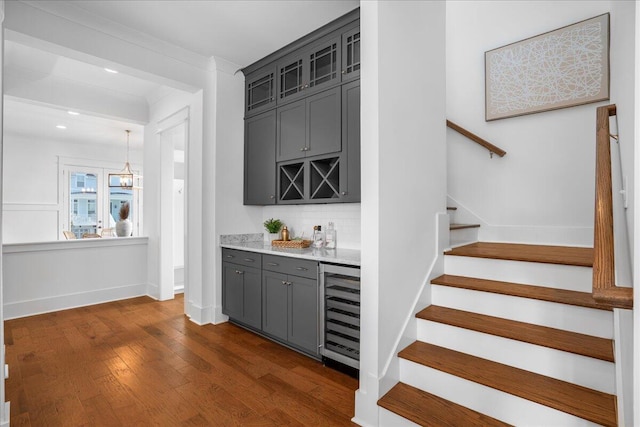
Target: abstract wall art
(562,68)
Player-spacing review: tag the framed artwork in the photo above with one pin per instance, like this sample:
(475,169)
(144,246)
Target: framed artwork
(562,68)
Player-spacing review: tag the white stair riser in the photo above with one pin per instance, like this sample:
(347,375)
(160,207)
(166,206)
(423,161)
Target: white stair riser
(585,371)
(583,320)
(463,236)
(391,419)
(530,273)
(494,403)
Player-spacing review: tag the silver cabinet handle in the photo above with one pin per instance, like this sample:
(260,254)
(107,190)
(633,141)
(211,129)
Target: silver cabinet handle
(344,71)
(272,196)
(239,272)
(272,263)
(249,260)
(302,149)
(301,269)
(230,256)
(344,193)
(284,282)
(289,283)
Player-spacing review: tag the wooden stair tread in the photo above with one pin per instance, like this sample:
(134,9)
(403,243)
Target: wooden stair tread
(427,409)
(592,405)
(565,255)
(561,296)
(455,226)
(573,342)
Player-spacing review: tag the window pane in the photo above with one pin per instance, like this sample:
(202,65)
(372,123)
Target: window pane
(117,198)
(83,199)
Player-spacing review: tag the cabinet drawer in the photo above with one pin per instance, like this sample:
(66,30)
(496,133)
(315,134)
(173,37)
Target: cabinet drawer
(249,259)
(293,266)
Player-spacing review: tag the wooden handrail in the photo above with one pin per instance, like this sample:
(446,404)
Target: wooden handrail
(475,138)
(604,288)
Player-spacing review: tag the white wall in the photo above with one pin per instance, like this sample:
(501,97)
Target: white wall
(231,216)
(32,203)
(301,219)
(403,175)
(543,189)
(71,273)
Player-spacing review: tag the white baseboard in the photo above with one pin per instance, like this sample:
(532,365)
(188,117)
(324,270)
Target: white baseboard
(6,415)
(199,315)
(178,288)
(219,316)
(19,309)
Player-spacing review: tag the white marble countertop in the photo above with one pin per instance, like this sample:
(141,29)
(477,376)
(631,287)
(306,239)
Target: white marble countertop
(335,256)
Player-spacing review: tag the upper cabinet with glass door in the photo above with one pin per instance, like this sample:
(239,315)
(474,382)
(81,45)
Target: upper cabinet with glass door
(260,90)
(351,54)
(316,68)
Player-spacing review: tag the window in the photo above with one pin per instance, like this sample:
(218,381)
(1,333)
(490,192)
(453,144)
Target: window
(91,206)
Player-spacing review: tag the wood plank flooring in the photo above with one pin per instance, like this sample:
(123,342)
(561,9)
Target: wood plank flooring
(142,362)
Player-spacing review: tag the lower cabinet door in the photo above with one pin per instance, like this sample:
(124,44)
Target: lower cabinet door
(252,298)
(303,313)
(232,291)
(274,304)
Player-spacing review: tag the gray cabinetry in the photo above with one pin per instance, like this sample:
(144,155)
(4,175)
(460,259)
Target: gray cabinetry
(309,70)
(259,159)
(242,287)
(290,302)
(350,184)
(301,146)
(310,126)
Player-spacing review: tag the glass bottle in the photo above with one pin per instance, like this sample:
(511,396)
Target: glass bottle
(330,238)
(318,237)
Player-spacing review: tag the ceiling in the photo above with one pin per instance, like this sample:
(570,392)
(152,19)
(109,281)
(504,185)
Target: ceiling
(40,121)
(239,31)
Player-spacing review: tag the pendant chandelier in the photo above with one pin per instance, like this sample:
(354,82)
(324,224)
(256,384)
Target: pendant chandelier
(125,179)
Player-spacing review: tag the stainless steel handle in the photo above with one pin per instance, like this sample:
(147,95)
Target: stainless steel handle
(344,193)
(303,149)
(272,263)
(230,256)
(344,71)
(306,86)
(272,196)
(249,260)
(239,272)
(301,269)
(284,282)
(288,283)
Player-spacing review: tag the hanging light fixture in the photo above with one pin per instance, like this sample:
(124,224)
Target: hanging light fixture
(125,179)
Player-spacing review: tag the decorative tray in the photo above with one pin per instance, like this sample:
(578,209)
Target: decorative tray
(298,244)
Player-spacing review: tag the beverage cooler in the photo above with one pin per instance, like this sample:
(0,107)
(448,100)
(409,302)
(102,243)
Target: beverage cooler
(340,318)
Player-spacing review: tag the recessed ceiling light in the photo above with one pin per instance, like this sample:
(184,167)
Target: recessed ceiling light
(73,113)
(109,70)
(61,126)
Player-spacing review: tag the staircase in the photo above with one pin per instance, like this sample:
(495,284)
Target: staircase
(513,337)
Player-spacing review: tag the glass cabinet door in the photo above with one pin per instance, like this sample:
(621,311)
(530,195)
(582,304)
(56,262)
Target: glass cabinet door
(351,54)
(260,90)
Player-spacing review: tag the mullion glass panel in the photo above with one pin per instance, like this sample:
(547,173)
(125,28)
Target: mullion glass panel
(323,65)
(260,92)
(290,79)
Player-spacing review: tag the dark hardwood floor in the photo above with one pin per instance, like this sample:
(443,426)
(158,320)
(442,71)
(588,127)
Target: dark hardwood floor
(141,362)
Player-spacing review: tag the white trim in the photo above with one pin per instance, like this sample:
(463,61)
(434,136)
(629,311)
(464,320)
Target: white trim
(64,302)
(56,245)
(20,207)
(200,315)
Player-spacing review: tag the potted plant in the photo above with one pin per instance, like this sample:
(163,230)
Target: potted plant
(273,226)
(124,226)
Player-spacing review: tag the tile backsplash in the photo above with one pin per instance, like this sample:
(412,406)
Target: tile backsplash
(302,218)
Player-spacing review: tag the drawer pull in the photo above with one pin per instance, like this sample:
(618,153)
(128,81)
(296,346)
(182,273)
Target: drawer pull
(239,272)
(273,263)
(301,269)
(284,282)
(230,256)
(249,260)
